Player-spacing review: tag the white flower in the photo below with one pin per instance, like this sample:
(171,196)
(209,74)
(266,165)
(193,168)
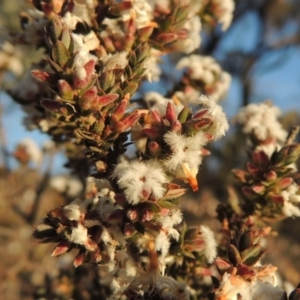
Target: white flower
(79,235)
(193,40)
(159,103)
(216,112)
(115,61)
(82,57)
(33,150)
(186,155)
(72,211)
(231,286)
(141,13)
(167,222)
(89,41)
(84,9)
(261,120)
(140,180)
(70,20)
(291,203)
(205,69)
(221,10)
(162,243)
(210,250)
(153,71)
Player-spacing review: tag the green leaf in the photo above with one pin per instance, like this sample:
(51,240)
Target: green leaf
(60,54)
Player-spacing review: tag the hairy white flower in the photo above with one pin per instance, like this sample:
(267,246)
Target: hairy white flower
(141,13)
(173,218)
(83,56)
(140,180)
(159,103)
(220,10)
(214,80)
(210,250)
(186,155)
(70,20)
(231,286)
(193,39)
(291,205)
(162,243)
(84,9)
(79,235)
(217,114)
(261,121)
(115,61)
(153,71)
(89,41)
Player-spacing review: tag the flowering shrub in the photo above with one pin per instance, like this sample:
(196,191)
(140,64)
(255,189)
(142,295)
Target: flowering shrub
(128,220)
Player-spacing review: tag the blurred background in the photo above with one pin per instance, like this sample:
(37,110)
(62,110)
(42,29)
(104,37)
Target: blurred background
(261,51)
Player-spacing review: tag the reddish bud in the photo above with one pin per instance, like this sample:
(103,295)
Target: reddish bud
(86,100)
(154,148)
(151,133)
(145,33)
(120,110)
(89,68)
(171,113)
(259,189)
(200,114)
(129,230)
(79,83)
(65,90)
(130,120)
(43,76)
(182,34)
(61,248)
(79,259)
(271,176)
(245,272)
(222,265)
(133,215)
(166,38)
(284,183)
(148,215)
(176,126)
(102,101)
(155,117)
(109,46)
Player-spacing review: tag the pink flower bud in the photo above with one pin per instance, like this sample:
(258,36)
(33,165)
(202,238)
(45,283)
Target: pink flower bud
(171,113)
(154,148)
(130,120)
(176,126)
(61,248)
(166,38)
(101,101)
(65,90)
(79,259)
(120,110)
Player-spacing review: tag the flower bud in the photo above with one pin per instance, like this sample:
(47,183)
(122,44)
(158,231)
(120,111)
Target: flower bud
(154,148)
(65,90)
(166,38)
